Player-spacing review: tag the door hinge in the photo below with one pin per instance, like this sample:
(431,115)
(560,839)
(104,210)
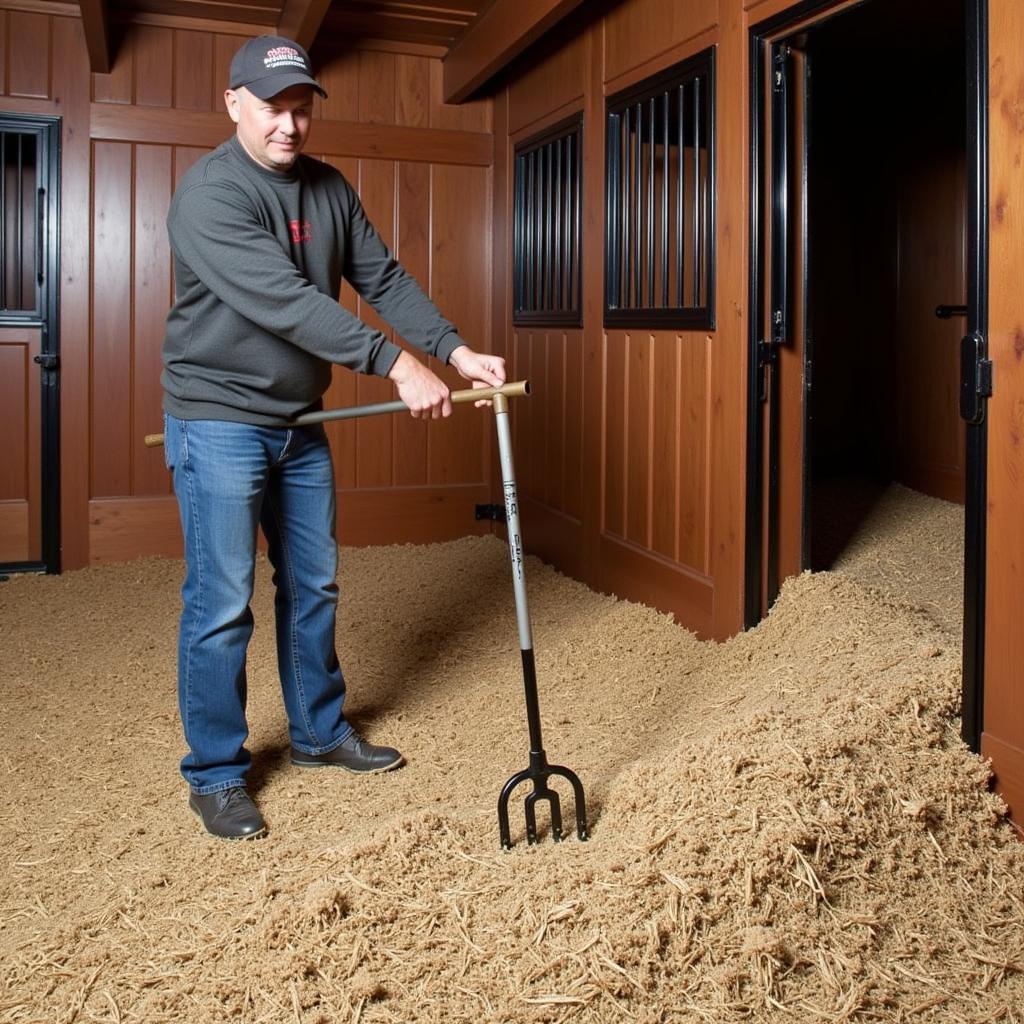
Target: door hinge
(48,360)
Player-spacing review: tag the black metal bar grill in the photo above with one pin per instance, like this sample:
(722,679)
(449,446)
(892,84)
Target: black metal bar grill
(547,223)
(696,193)
(680,194)
(664,199)
(3,220)
(658,208)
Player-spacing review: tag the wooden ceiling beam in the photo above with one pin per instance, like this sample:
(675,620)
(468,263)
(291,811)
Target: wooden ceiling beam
(494,39)
(97,34)
(301,19)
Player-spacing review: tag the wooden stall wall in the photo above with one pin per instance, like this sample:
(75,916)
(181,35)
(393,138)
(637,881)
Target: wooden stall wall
(1003,717)
(424,172)
(632,445)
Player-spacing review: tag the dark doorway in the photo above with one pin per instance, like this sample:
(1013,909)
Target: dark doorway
(886,230)
(868,369)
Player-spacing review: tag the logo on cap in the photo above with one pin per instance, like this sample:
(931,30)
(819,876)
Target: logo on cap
(283,57)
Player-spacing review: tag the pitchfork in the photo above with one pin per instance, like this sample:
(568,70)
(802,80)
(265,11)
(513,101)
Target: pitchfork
(539,771)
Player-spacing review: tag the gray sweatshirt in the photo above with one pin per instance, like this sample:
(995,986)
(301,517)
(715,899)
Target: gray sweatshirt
(258,261)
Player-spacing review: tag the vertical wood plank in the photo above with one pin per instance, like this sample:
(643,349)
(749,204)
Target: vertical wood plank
(695,487)
(727,423)
(154,65)
(184,158)
(640,30)
(554,402)
(1003,737)
(616,383)
(14,384)
(193,70)
(413,250)
(340,79)
(667,437)
(71,85)
(3,53)
(474,116)
(342,392)
(152,271)
(638,450)
(537,437)
(594,341)
(459,285)
(376,87)
(412,91)
(111,320)
(28,58)
(573,486)
(224,48)
(374,448)
(117,86)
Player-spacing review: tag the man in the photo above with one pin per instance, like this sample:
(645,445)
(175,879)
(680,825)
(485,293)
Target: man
(261,238)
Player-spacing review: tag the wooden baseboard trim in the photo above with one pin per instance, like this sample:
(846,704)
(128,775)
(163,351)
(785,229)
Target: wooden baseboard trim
(553,537)
(410,515)
(14,530)
(1008,769)
(121,529)
(637,575)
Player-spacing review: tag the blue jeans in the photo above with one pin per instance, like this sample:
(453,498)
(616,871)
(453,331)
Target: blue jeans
(229,479)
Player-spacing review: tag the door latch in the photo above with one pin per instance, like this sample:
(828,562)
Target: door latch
(975,378)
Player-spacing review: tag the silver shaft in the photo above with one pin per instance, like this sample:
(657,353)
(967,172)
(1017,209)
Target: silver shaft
(515,537)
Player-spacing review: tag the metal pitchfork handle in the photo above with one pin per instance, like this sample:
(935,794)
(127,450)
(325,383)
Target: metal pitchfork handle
(512,390)
(539,771)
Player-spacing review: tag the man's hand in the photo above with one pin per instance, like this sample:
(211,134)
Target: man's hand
(485,371)
(421,389)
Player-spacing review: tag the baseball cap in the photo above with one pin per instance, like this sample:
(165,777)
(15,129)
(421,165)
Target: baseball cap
(268,65)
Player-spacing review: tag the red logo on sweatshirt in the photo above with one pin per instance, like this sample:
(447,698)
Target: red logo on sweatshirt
(302,230)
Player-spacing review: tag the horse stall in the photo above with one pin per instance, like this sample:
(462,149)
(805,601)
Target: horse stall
(758,261)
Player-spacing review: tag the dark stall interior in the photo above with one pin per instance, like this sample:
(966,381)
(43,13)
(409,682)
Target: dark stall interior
(886,242)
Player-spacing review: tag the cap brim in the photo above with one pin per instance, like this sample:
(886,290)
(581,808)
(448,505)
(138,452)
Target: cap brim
(265,88)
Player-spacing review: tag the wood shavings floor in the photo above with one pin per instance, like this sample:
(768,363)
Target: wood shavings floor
(784,827)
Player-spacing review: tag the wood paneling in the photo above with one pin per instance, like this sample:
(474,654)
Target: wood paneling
(637,31)
(20,508)
(554,83)
(1008,769)
(341,138)
(111,384)
(28,54)
(193,70)
(122,528)
(930,441)
(151,297)
(548,428)
(70,80)
(4,16)
(499,34)
(656,424)
(460,282)
(1004,638)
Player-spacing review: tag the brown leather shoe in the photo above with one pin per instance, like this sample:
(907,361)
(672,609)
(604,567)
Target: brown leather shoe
(354,755)
(228,814)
